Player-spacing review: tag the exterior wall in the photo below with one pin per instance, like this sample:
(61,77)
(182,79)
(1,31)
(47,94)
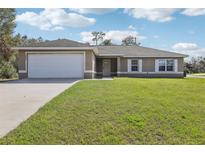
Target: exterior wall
(99,65)
(88,75)
(21,60)
(180,64)
(123,65)
(148,64)
(148,68)
(23,75)
(89,63)
(114,66)
(21,64)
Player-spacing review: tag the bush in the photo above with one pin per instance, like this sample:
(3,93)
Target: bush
(185,72)
(7,70)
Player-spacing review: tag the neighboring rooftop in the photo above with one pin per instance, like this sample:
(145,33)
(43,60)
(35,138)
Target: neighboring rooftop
(135,51)
(58,43)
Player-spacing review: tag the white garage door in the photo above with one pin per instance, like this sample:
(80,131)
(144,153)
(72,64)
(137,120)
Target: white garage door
(55,65)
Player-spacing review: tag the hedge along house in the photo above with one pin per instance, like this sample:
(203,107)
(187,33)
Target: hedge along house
(69,59)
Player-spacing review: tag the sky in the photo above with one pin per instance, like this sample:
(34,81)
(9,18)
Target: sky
(177,30)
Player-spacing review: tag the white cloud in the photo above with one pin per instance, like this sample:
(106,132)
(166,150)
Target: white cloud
(115,35)
(185,46)
(93,10)
(193,12)
(190,49)
(131,27)
(54,19)
(159,15)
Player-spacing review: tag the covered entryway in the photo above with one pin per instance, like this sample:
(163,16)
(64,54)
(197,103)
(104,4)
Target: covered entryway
(52,65)
(106,67)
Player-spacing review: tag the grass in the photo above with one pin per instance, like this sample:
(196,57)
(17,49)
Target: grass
(199,74)
(121,111)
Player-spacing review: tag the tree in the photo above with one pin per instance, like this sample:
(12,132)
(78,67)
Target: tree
(7,56)
(195,65)
(7,60)
(25,41)
(39,39)
(187,67)
(97,36)
(17,39)
(7,25)
(130,40)
(106,42)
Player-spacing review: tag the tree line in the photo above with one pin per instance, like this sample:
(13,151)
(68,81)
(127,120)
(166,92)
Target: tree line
(195,65)
(99,36)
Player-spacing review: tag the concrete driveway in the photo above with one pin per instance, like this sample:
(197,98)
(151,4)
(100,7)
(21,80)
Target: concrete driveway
(22,98)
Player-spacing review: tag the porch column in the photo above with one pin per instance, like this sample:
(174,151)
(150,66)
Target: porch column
(118,66)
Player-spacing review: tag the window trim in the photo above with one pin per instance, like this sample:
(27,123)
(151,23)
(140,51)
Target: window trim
(134,65)
(173,65)
(166,65)
(129,65)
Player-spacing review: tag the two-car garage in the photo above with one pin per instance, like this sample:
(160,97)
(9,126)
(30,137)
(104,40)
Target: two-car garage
(55,65)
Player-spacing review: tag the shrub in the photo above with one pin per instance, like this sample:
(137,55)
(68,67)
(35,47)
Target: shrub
(7,70)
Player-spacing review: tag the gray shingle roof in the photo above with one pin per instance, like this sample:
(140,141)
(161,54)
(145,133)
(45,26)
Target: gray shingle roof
(127,51)
(136,51)
(58,43)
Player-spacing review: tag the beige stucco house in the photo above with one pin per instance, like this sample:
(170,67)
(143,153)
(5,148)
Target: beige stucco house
(69,59)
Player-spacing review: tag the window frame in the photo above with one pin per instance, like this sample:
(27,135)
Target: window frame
(173,62)
(166,62)
(134,65)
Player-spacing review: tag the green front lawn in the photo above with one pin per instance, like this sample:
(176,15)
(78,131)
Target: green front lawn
(121,111)
(199,74)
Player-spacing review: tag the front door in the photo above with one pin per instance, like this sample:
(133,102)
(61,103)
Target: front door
(106,67)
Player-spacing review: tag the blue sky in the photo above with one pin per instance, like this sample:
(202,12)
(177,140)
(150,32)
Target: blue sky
(180,30)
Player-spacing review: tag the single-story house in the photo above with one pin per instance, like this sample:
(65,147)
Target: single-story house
(64,58)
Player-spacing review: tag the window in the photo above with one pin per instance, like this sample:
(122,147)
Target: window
(134,65)
(170,65)
(166,65)
(162,65)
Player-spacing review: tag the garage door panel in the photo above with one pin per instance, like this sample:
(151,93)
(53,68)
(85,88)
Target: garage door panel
(55,65)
